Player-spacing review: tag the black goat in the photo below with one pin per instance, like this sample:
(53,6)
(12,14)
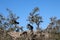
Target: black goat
(30,27)
(14,22)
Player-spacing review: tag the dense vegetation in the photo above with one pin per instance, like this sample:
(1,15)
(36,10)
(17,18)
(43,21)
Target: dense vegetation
(9,29)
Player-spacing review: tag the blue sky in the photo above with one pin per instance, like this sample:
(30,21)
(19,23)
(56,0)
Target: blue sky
(22,8)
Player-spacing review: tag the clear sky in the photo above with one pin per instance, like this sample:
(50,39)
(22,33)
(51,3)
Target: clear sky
(22,8)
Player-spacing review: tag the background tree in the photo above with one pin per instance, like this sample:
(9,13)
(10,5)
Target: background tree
(52,24)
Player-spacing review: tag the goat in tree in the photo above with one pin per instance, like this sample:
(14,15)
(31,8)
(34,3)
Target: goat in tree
(14,21)
(30,27)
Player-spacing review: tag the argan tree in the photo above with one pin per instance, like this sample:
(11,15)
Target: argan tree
(12,20)
(34,17)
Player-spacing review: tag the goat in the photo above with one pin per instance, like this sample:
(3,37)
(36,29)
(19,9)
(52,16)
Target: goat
(30,27)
